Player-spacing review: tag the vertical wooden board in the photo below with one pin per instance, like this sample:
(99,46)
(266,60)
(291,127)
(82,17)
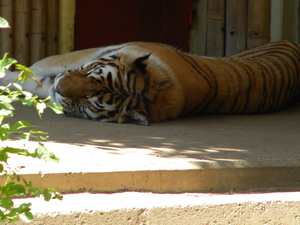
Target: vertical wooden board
(259,16)
(216,9)
(236,21)
(52,27)
(22,31)
(6,35)
(276,20)
(38,30)
(215,38)
(67,12)
(198,30)
(290,21)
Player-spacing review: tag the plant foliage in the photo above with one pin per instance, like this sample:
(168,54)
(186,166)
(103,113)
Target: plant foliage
(15,185)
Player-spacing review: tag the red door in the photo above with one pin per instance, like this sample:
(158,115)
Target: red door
(108,22)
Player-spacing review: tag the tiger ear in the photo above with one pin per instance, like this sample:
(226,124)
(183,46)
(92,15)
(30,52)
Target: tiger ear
(134,116)
(141,62)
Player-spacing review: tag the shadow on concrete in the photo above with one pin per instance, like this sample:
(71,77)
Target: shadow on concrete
(225,140)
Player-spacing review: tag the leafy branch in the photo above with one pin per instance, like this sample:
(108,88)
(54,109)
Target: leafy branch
(15,185)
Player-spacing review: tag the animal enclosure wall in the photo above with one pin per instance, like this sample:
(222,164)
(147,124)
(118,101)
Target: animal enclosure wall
(225,27)
(34,29)
(40,28)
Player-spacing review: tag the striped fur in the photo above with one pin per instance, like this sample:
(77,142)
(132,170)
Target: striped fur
(149,82)
(173,84)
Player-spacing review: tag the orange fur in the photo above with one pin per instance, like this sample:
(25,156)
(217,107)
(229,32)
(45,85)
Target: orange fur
(150,82)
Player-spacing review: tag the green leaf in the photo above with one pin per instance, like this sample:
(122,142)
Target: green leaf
(50,193)
(7,106)
(58,196)
(4,90)
(44,154)
(27,184)
(18,86)
(28,95)
(12,215)
(40,106)
(35,191)
(2,215)
(34,131)
(1,167)
(3,23)
(17,151)
(27,102)
(22,77)
(3,155)
(27,71)
(26,216)
(20,124)
(24,207)
(47,195)
(16,190)
(1,119)
(4,132)
(5,64)
(25,136)
(6,113)
(55,107)
(6,203)
(40,138)
(41,152)
(5,98)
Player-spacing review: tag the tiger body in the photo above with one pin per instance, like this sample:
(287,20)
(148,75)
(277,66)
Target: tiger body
(143,82)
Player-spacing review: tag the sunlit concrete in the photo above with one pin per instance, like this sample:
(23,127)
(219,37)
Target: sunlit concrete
(187,208)
(207,154)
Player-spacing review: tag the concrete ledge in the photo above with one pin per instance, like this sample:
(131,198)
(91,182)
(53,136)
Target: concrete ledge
(199,154)
(176,181)
(149,208)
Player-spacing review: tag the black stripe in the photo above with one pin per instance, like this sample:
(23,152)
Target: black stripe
(111,113)
(108,51)
(252,81)
(110,101)
(210,79)
(110,81)
(106,60)
(101,117)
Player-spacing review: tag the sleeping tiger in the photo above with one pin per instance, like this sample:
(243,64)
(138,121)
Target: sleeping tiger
(144,82)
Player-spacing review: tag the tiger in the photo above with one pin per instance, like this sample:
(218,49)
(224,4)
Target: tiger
(145,82)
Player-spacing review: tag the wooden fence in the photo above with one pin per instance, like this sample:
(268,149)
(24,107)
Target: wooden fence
(234,25)
(224,27)
(34,29)
(230,26)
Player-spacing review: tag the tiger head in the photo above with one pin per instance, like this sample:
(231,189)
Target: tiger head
(111,89)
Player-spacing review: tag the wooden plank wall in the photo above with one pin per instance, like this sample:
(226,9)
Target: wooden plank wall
(34,29)
(215,28)
(228,26)
(235,25)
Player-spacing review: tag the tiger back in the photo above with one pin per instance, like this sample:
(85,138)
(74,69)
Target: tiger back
(151,82)
(259,80)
